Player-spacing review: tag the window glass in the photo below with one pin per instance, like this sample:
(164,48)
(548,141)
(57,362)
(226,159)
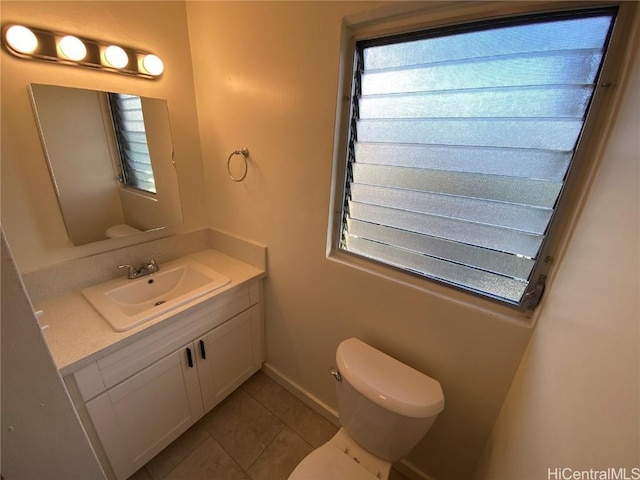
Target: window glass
(460,143)
(133,149)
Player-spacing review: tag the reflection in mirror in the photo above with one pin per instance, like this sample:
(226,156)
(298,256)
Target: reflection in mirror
(111,161)
(131,138)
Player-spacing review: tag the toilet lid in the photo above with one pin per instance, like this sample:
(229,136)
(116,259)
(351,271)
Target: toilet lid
(329,462)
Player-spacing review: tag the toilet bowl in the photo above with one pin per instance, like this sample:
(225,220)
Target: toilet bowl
(341,459)
(385,408)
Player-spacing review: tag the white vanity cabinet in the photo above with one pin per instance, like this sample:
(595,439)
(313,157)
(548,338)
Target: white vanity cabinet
(137,418)
(142,397)
(228,355)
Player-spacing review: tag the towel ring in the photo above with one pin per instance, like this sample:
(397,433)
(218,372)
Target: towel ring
(245,153)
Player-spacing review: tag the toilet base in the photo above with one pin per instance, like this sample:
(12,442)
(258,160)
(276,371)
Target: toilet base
(341,458)
(378,467)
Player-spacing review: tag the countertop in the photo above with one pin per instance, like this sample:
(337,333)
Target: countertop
(77,335)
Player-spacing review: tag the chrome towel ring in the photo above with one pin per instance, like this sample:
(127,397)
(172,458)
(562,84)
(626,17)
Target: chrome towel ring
(245,153)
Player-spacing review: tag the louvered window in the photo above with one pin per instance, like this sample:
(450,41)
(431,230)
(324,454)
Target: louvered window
(460,143)
(135,160)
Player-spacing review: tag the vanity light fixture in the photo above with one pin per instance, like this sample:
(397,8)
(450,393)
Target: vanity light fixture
(116,57)
(72,48)
(152,65)
(57,47)
(20,39)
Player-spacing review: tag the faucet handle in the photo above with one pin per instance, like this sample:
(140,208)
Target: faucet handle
(155,257)
(132,272)
(152,265)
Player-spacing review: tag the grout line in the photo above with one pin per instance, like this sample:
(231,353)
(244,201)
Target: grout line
(284,423)
(224,449)
(214,438)
(406,469)
(187,456)
(265,449)
(296,401)
(290,427)
(210,435)
(282,426)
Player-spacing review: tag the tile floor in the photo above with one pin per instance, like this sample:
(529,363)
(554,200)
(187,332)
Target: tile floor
(260,432)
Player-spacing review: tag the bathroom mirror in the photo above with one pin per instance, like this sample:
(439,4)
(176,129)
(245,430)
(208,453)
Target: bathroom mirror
(110,157)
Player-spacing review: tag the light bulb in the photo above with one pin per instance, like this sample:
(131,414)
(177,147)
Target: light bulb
(72,48)
(153,65)
(21,39)
(116,56)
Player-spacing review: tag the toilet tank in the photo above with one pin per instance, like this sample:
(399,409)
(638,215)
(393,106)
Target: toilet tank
(384,405)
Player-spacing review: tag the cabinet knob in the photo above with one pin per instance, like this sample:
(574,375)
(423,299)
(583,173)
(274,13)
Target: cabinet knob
(203,352)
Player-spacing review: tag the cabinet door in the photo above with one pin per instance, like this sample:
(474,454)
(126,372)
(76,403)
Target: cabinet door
(139,417)
(229,355)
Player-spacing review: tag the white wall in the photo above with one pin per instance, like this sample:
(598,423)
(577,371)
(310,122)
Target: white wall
(575,402)
(266,77)
(30,213)
(42,437)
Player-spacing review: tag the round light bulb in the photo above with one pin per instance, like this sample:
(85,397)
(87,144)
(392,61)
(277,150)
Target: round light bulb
(153,65)
(72,48)
(21,39)
(116,56)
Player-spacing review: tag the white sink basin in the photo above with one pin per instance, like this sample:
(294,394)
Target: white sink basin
(128,303)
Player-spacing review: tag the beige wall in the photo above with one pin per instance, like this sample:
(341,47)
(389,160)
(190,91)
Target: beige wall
(576,398)
(30,213)
(266,77)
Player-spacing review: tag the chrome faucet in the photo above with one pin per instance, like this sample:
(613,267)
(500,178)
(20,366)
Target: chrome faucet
(144,269)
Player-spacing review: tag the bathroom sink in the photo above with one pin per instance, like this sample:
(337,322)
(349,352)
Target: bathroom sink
(128,303)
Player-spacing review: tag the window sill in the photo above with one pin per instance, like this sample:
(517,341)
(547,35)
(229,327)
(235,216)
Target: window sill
(432,288)
(138,192)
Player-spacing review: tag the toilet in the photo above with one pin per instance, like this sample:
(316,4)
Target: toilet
(385,408)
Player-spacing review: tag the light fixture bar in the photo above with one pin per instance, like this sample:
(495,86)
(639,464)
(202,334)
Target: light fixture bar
(67,49)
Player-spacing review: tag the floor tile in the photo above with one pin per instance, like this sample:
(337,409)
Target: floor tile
(208,461)
(281,457)
(160,465)
(255,383)
(311,426)
(193,437)
(260,432)
(242,426)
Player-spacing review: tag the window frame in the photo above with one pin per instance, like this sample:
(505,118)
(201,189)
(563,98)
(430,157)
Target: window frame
(397,22)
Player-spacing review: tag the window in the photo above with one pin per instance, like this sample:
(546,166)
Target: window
(460,143)
(133,150)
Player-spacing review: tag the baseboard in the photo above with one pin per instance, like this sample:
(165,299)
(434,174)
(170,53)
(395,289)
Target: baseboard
(302,394)
(404,467)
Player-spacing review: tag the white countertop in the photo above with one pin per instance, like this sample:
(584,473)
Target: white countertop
(77,335)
